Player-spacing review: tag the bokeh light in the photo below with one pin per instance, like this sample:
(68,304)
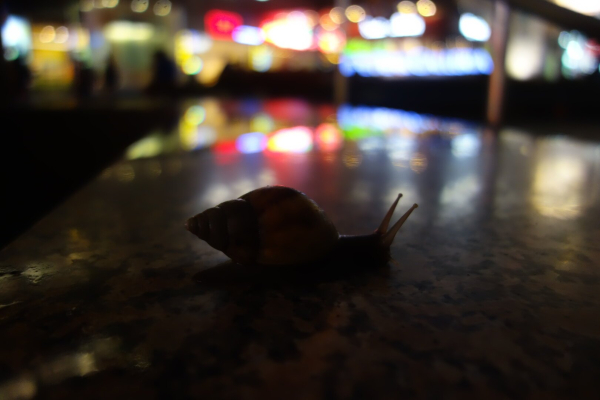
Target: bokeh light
(47,34)
(139,6)
(407,7)
(355,13)
(291,140)
(61,35)
(337,15)
(162,8)
(474,28)
(195,115)
(426,8)
(192,66)
(328,137)
(110,3)
(253,142)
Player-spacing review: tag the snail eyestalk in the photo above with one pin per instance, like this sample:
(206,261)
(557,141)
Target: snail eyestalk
(389,236)
(386,220)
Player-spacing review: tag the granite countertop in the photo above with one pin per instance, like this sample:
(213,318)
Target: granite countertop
(493,290)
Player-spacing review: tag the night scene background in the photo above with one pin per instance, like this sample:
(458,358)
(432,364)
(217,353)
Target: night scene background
(119,119)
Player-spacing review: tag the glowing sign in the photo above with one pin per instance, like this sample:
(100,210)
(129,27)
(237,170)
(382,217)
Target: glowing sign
(291,140)
(289,31)
(417,62)
(221,24)
(249,35)
(474,28)
(125,31)
(374,28)
(403,24)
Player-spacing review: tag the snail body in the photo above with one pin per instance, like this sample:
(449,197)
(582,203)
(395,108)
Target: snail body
(278,225)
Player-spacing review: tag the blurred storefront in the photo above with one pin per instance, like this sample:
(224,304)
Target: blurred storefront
(390,41)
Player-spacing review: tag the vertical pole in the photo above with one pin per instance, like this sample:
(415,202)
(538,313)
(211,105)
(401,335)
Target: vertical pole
(497,84)
(340,82)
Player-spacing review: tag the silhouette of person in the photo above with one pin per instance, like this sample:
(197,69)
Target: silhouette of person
(111,75)
(164,73)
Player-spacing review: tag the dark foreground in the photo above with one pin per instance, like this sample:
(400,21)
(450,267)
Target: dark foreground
(493,291)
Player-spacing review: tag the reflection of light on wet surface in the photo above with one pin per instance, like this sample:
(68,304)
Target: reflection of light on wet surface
(400,149)
(418,163)
(557,187)
(360,192)
(124,173)
(466,145)
(35,272)
(217,194)
(85,361)
(458,196)
(352,160)
(372,144)
(22,388)
(154,169)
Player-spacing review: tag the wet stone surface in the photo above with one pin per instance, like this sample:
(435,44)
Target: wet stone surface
(493,290)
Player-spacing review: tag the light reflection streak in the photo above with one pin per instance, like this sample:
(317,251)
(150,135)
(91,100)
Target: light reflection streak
(418,163)
(84,361)
(458,196)
(558,187)
(466,145)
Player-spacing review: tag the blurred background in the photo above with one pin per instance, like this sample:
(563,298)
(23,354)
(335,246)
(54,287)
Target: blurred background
(84,82)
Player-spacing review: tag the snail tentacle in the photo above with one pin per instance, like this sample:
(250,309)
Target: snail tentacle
(386,220)
(389,236)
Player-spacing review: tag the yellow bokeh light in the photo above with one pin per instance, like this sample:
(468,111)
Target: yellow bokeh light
(333,58)
(195,115)
(418,163)
(47,34)
(337,15)
(327,22)
(407,7)
(139,6)
(110,3)
(355,13)
(262,123)
(426,8)
(192,66)
(211,72)
(162,8)
(61,34)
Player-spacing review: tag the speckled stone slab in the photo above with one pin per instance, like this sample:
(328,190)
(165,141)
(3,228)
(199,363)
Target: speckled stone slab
(493,292)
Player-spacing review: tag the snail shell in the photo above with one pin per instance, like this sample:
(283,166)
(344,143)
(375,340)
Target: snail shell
(273,225)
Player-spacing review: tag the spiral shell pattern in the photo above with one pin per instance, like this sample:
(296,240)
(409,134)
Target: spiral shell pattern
(273,225)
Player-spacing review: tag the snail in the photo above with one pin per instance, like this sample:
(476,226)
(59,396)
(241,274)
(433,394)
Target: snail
(278,225)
